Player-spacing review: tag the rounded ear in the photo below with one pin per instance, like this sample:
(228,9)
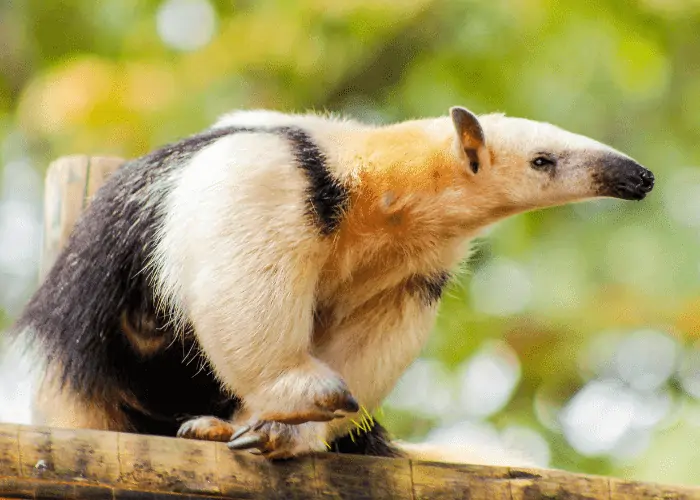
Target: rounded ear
(470,136)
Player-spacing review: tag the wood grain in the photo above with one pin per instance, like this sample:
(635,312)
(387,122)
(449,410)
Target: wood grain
(40,462)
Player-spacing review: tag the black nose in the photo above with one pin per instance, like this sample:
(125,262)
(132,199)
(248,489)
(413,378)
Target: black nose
(622,177)
(647,180)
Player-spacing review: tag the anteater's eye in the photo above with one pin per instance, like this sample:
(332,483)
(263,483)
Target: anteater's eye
(542,163)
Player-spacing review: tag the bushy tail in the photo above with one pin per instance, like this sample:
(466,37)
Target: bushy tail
(475,454)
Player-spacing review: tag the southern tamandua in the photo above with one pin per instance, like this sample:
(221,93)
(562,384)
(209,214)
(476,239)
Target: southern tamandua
(268,277)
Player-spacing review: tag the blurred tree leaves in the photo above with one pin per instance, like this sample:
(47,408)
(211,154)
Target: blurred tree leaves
(96,77)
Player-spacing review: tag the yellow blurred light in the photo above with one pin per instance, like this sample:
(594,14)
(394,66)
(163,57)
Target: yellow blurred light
(67,94)
(148,86)
(688,319)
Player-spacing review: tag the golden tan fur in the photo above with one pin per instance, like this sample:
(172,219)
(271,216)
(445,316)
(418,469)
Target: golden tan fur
(57,406)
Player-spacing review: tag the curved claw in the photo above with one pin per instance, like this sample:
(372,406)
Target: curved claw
(245,442)
(184,430)
(240,432)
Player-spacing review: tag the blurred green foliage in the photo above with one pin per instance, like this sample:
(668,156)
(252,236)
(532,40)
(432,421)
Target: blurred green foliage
(97,77)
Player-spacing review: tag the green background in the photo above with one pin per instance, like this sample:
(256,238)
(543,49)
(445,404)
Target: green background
(574,332)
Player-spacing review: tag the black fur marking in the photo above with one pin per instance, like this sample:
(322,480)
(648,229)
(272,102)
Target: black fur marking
(327,197)
(429,288)
(374,442)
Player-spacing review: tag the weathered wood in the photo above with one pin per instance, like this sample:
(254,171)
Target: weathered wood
(40,462)
(437,481)
(70,183)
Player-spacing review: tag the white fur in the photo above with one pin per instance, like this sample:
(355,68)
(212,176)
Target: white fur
(245,277)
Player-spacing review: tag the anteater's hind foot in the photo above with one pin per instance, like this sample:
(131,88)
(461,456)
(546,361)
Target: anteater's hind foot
(207,429)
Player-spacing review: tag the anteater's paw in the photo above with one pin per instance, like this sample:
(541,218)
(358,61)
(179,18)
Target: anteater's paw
(207,429)
(277,441)
(309,394)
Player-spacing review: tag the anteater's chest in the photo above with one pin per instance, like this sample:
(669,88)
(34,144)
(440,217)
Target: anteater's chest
(361,303)
(348,292)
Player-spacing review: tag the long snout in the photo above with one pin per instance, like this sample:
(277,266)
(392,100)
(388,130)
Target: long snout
(621,177)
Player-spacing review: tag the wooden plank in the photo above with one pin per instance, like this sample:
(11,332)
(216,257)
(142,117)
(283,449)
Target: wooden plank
(165,464)
(61,455)
(9,450)
(363,477)
(242,475)
(40,462)
(433,481)
(528,484)
(632,490)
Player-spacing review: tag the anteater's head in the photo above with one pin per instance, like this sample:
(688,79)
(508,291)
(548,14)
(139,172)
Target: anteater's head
(528,164)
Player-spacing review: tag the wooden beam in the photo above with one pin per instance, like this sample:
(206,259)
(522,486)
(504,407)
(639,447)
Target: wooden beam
(40,462)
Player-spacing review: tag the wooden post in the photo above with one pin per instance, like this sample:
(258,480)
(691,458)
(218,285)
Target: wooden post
(70,183)
(39,462)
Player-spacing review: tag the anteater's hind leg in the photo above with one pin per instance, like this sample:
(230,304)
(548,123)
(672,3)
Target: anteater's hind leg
(61,407)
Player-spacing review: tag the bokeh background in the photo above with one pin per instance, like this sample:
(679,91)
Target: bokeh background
(573,337)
